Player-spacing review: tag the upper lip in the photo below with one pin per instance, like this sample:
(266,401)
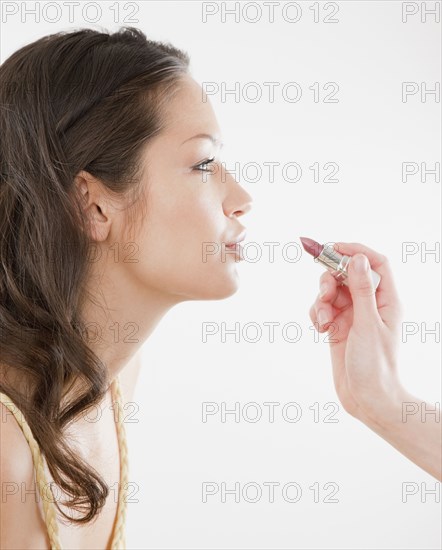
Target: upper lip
(237,239)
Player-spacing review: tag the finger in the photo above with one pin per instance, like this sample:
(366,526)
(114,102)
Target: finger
(378,262)
(331,291)
(332,299)
(322,314)
(365,309)
(387,299)
(314,318)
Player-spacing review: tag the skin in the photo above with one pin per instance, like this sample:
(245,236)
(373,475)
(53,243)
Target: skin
(187,211)
(185,208)
(366,330)
(183,212)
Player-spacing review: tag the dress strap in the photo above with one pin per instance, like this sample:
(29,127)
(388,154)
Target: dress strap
(49,510)
(118,539)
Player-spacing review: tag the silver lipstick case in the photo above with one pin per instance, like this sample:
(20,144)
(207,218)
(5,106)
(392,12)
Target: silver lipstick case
(337,265)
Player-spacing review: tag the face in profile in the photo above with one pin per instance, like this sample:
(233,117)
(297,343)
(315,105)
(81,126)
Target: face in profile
(192,208)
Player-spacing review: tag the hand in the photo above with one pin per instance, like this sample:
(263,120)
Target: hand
(365,332)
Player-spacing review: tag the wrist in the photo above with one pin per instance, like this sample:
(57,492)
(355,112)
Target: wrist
(386,407)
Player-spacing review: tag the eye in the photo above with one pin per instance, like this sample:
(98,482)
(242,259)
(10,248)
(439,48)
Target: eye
(205,163)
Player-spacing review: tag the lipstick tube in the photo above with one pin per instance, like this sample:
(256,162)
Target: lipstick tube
(337,265)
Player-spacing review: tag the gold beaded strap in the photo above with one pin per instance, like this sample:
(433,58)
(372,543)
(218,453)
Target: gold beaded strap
(49,509)
(118,539)
(48,506)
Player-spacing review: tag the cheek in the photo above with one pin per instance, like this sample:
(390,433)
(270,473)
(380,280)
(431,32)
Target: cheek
(178,228)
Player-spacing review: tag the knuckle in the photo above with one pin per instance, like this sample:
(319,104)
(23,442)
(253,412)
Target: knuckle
(327,279)
(366,290)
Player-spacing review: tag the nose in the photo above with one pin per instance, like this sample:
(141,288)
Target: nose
(237,201)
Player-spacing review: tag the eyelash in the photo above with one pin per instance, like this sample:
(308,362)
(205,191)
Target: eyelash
(206,162)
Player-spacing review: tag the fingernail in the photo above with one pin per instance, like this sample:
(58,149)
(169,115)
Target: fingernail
(360,263)
(322,317)
(323,287)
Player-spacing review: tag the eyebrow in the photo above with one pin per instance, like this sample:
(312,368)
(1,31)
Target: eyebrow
(205,136)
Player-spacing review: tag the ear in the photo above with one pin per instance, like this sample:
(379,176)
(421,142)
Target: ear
(95,205)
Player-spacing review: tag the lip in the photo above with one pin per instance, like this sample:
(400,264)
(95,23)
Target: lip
(237,240)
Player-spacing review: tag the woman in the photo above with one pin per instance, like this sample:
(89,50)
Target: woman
(111,188)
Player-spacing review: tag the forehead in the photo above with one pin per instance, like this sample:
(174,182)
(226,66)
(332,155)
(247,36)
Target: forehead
(189,112)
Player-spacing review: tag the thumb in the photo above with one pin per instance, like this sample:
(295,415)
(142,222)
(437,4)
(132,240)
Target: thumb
(362,289)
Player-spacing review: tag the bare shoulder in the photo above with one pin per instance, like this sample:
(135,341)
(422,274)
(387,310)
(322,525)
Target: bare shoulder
(19,496)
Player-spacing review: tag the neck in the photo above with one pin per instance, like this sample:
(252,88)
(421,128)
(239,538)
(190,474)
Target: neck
(121,316)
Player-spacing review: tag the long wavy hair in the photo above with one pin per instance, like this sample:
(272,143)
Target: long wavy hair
(70,101)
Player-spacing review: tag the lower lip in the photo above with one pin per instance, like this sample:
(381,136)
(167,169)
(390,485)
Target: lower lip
(237,248)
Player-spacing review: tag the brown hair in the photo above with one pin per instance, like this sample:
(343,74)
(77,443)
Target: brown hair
(71,101)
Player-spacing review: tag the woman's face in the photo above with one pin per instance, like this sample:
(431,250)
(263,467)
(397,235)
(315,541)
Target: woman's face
(191,211)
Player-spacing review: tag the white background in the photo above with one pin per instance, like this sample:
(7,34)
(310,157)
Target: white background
(369,133)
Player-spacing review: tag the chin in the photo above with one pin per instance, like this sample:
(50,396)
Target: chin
(223,293)
(226,285)
(218,288)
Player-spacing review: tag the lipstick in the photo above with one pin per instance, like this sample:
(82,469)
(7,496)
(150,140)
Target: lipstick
(333,261)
